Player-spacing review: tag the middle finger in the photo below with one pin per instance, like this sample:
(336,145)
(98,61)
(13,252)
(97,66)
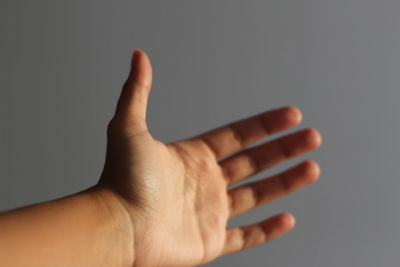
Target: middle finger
(253,160)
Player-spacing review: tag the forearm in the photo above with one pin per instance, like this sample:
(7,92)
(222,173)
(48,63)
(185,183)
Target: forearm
(89,228)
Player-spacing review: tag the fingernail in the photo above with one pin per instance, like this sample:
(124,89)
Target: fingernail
(134,59)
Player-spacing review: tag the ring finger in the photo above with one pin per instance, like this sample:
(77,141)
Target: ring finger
(255,194)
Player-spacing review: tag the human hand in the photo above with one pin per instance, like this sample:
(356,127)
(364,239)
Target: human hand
(177,194)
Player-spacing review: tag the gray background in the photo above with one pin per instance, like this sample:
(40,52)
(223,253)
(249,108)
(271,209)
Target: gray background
(63,63)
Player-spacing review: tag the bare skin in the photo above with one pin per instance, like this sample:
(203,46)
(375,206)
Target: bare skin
(178,191)
(169,204)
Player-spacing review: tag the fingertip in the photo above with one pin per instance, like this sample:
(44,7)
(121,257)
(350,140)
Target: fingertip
(313,138)
(282,223)
(288,221)
(294,114)
(138,56)
(311,171)
(142,54)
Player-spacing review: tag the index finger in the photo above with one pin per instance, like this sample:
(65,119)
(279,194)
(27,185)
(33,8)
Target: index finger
(235,136)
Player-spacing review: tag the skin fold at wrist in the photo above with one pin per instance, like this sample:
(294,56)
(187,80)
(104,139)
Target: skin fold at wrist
(120,222)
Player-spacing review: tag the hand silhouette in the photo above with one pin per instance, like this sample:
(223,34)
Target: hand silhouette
(177,194)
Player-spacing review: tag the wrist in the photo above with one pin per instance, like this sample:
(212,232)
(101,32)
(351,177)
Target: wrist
(119,220)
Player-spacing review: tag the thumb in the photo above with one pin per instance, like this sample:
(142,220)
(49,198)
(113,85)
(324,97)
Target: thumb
(132,103)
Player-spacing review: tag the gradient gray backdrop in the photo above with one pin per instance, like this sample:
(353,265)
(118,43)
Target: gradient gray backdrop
(63,64)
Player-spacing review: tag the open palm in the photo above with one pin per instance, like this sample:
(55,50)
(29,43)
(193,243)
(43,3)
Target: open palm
(177,194)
